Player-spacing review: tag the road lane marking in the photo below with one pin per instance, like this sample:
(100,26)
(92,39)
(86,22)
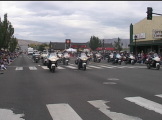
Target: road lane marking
(111,83)
(148,104)
(112,79)
(19,68)
(107,66)
(6,114)
(94,67)
(101,105)
(72,67)
(62,112)
(59,67)
(32,68)
(159,95)
(76,68)
(45,67)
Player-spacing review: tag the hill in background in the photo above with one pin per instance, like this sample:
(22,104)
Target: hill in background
(24,43)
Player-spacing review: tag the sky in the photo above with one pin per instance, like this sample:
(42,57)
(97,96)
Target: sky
(56,21)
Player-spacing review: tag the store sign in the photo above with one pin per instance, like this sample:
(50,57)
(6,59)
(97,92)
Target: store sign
(157,33)
(140,36)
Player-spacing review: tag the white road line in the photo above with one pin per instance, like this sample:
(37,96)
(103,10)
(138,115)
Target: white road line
(62,112)
(72,67)
(148,104)
(159,95)
(75,65)
(45,67)
(32,68)
(112,79)
(19,68)
(107,83)
(101,105)
(94,67)
(108,66)
(59,67)
(6,114)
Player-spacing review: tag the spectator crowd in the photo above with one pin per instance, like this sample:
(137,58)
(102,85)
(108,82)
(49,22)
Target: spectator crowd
(6,58)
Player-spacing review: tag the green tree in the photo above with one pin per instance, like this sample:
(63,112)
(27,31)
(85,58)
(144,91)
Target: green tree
(94,42)
(118,45)
(6,33)
(1,35)
(42,47)
(13,44)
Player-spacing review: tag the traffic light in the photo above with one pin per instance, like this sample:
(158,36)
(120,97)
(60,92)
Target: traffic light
(149,13)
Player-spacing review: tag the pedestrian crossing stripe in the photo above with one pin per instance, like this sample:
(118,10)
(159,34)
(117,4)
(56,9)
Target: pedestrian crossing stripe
(62,112)
(19,68)
(101,106)
(77,68)
(159,95)
(72,66)
(95,67)
(32,68)
(148,104)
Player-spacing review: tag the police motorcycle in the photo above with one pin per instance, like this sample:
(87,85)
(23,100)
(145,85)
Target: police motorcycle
(82,61)
(52,61)
(130,59)
(110,57)
(65,58)
(44,57)
(117,59)
(60,55)
(153,62)
(36,57)
(89,55)
(97,57)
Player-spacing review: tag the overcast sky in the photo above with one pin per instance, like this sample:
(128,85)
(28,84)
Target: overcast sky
(56,21)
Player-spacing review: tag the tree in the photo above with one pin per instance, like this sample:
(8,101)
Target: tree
(94,42)
(6,34)
(1,40)
(42,47)
(118,45)
(13,44)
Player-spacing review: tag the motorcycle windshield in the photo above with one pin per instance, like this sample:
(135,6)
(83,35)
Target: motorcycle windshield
(83,56)
(52,55)
(118,56)
(66,55)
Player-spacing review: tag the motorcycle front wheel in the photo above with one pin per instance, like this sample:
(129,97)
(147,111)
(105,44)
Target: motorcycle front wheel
(84,67)
(158,67)
(53,69)
(148,66)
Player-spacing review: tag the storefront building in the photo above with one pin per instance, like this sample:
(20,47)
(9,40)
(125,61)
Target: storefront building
(146,36)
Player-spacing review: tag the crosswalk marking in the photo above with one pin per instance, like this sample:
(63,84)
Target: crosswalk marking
(148,104)
(59,67)
(159,95)
(108,66)
(95,67)
(32,68)
(19,68)
(101,105)
(72,67)
(45,67)
(62,112)
(6,114)
(76,67)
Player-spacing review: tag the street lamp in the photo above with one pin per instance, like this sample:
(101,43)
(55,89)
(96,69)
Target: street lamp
(135,38)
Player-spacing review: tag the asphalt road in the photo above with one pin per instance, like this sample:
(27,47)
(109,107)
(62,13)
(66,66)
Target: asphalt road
(102,92)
